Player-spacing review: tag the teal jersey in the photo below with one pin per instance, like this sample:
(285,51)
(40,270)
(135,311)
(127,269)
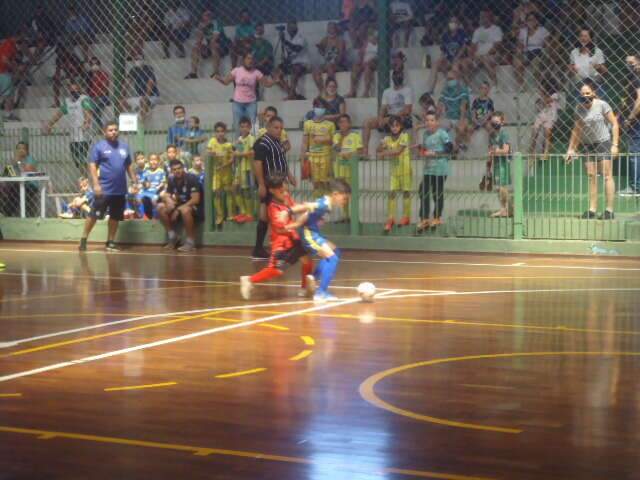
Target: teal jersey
(436,142)
(499,139)
(452,99)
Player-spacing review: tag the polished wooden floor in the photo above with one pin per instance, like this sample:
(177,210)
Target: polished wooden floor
(148,365)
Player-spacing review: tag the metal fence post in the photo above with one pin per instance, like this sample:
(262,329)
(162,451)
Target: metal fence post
(518,200)
(122,9)
(208,193)
(384,47)
(355,195)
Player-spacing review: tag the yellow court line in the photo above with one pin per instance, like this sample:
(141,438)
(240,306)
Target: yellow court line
(275,327)
(265,325)
(75,315)
(301,355)
(206,451)
(140,387)
(239,374)
(505,277)
(367,388)
(308,340)
(10,395)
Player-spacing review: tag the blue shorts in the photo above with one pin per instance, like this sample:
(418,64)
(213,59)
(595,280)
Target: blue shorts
(312,241)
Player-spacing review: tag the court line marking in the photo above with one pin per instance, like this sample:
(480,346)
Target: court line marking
(140,387)
(308,340)
(404,262)
(367,388)
(302,355)
(10,395)
(206,451)
(241,373)
(180,338)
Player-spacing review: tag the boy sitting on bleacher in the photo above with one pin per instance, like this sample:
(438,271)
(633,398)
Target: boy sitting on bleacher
(80,206)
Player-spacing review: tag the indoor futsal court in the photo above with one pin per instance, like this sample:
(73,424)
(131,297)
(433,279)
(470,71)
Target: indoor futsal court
(146,365)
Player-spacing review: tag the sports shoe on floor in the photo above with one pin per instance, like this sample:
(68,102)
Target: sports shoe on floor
(248,218)
(435,222)
(589,215)
(607,215)
(83,245)
(187,247)
(240,219)
(112,247)
(171,244)
(324,297)
(628,192)
(389,225)
(310,288)
(260,254)
(404,221)
(245,287)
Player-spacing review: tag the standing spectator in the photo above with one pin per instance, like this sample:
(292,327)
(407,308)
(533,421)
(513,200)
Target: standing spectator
(347,145)
(79,31)
(397,101)
(43,25)
(182,201)
(363,18)
(8,53)
(367,63)
(262,51)
(334,104)
(113,158)
(221,151)
(401,19)
(453,108)
(317,144)
(531,43)
(454,46)
(436,147)
(177,28)
(193,137)
(270,159)
(144,87)
(178,130)
(78,109)
(482,107)
(428,12)
(295,62)
(500,161)
(68,67)
(549,104)
(245,33)
(211,41)
(632,122)
(596,133)
(246,79)
(484,48)
(587,62)
(98,89)
(332,48)
(243,177)
(174,153)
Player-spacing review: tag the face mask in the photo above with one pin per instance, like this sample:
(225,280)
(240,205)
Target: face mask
(75,95)
(95,68)
(318,112)
(453,26)
(138,63)
(586,100)
(496,125)
(452,83)
(179,119)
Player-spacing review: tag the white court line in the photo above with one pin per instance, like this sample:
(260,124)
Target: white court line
(403,262)
(210,331)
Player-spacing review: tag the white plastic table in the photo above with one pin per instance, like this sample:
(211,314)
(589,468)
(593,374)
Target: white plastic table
(42,185)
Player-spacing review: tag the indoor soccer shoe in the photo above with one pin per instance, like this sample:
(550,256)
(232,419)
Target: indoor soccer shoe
(245,287)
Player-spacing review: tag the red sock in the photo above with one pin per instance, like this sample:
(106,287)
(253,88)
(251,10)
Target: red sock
(307,268)
(265,274)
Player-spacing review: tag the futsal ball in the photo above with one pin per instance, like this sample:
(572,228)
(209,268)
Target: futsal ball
(367,291)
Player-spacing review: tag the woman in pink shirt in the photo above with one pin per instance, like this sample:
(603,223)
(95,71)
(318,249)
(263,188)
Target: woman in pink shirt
(245,98)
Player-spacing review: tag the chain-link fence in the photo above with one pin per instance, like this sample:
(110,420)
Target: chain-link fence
(68,66)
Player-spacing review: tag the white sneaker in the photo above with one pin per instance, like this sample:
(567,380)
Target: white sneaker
(302,293)
(324,297)
(310,289)
(245,287)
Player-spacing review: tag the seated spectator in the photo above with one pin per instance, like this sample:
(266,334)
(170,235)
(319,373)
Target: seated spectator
(141,166)
(333,104)
(68,68)
(397,101)
(332,48)
(138,31)
(245,34)
(154,182)
(80,206)
(98,89)
(587,62)
(367,63)
(178,130)
(363,18)
(43,25)
(78,108)
(211,41)
(183,202)
(295,62)
(454,46)
(482,107)
(521,13)
(262,51)
(427,14)
(173,153)
(193,137)
(79,31)
(398,59)
(548,106)
(22,164)
(500,164)
(24,60)
(453,109)
(348,6)
(177,28)
(8,53)
(484,48)
(197,168)
(401,20)
(531,44)
(143,88)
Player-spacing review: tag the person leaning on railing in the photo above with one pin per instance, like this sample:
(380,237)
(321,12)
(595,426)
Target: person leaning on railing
(591,134)
(631,117)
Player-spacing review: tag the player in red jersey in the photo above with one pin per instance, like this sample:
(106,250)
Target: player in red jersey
(286,248)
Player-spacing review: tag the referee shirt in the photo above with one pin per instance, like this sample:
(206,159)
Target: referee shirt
(271,153)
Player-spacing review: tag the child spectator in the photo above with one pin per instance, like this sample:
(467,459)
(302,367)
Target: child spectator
(221,150)
(316,147)
(154,181)
(548,106)
(436,147)
(81,205)
(482,107)
(173,153)
(197,168)
(347,144)
(141,166)
(211,42)
(499,157)
(367,63)
(401,19)
(454,47)
(453,109)
(194,137)
(243,180)
(396,148)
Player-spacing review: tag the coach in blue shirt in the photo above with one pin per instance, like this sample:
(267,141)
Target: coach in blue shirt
(109,164)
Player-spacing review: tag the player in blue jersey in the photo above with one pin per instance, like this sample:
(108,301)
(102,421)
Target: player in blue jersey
(154,181)
(313,216)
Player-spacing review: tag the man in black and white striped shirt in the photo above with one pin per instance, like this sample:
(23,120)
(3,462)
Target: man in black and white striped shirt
(270,159)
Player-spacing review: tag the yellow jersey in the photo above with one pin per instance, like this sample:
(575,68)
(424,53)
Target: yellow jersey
(223,153)
(404,159)
(319,129)
(243,145)
(283,136)
(350,144)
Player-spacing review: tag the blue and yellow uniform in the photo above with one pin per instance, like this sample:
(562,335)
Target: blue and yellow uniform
(223,153)
(244,168)
(312,239)
(153,181)
(348,144)
(319,152)
(401,173)
(199,175)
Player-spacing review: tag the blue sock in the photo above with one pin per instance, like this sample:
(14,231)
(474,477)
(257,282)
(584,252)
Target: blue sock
(318,271)
(329,268)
